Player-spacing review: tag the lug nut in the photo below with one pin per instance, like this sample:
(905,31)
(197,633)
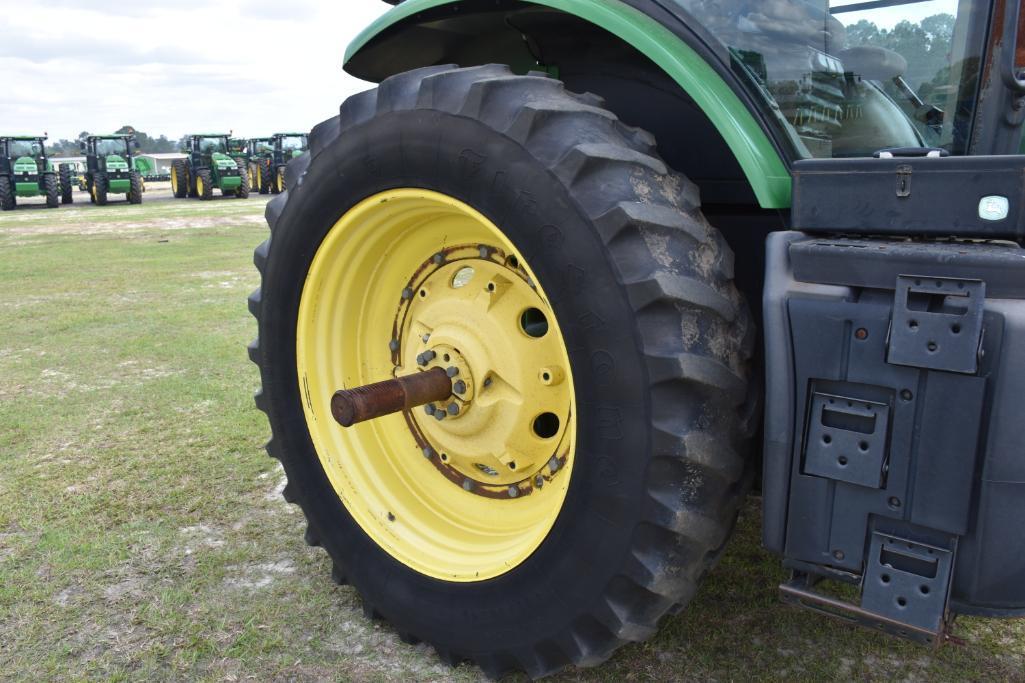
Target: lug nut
(439,415)
(539,481)
(407,293)
(484,252)
(420,360)
(393,345)
(429,409)
(425,338)
(553,464)
(459,387)
(438,258)
(452,370)
(467,485)
(453,409)
(429,356)
(513,492)
(428,452)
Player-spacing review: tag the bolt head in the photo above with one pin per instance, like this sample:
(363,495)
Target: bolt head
(553,464)
(484,252)
(420,360)
(429,409)
(429,356)
(393,345)
(467,485)
(513,491)
(438,258)
(452,370)
(428,452)
(459,387)
(439,415)
(539,481)
(453,409)
(425,338)
(407,293)
(838,554)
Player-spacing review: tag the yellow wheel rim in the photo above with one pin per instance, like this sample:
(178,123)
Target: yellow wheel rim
(281,180)
(199,185)
(405,281)
(174,182)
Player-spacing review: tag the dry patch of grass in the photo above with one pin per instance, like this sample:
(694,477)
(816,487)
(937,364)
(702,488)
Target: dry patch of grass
(142,531)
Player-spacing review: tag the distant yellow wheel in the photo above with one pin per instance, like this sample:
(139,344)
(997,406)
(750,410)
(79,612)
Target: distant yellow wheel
(200,188)
(281,180)
(174,183)
(465,489)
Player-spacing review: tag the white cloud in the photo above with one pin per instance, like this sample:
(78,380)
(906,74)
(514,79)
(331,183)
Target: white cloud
(255,66)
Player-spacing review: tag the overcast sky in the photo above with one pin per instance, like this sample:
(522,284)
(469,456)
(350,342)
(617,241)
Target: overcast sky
(176,66)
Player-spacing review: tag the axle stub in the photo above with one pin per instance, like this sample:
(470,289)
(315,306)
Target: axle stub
(349,406)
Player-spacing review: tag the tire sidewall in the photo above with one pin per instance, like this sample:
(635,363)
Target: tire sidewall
(498,177)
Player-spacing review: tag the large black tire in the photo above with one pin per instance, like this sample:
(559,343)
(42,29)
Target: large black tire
(52,190)
(659,342)
(66,186)
(243,190)
(7,199)
(135,190)
(207,178)
(179,178)
(100,188)
(264,173)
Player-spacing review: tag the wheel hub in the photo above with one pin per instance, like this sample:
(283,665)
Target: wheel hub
(474,312)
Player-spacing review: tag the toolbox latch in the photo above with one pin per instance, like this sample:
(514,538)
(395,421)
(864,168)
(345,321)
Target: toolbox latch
(937,323)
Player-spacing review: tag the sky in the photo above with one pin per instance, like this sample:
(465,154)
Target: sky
(173,67)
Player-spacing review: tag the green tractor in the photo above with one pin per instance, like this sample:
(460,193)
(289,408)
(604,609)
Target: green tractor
(109,169)
(25,171)
(261,163)
(536,309)
(287,146)
(208,166)
(238,149)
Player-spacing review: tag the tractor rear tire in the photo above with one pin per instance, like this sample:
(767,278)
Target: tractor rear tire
(99,189)
(657,337)
(243,189)
(51,190)
(204,184)
(262,176)
(135,190)
(179,179)
(7,198)
(67,189)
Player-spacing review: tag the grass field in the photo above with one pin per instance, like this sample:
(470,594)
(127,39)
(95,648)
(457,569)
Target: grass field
(142,531)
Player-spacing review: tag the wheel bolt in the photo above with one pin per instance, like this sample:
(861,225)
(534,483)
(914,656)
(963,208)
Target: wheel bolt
(429,356)
(425,338)
(407,293)
(439,415)
(459,387)
(393,345)
(438,258)
(513,492)
(428,452)
(467,485)
(484,252)
(453,409)
(420,360)
(429,409)
(452,371)
(539,481)
(553,464)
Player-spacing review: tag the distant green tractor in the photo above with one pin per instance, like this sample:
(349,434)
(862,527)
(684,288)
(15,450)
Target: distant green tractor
(260,153)
(238,149)
(25,171)
(208,165)
(287,146)
(109,169)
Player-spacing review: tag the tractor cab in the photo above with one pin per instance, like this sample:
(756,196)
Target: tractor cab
(25,170)
(287,146)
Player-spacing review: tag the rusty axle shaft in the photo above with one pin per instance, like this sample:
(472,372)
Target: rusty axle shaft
(360,404)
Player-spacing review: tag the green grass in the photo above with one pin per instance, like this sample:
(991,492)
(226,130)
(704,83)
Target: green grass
(142,534)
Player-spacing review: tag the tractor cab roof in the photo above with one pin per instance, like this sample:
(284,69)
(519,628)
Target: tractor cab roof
(209,135)
(23,137)
(112,136)
(283,135)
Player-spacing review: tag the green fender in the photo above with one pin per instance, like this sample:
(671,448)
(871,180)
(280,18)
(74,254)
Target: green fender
(765,170)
